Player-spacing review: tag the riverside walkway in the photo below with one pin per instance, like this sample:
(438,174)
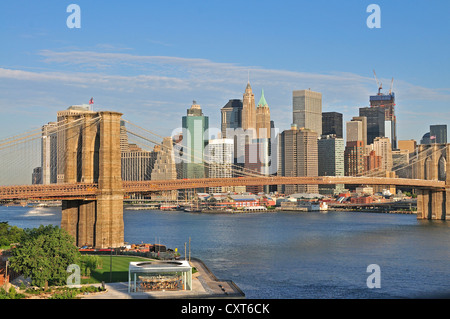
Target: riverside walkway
(204,285)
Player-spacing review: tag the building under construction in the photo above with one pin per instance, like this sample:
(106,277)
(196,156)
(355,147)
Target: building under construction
(387,102)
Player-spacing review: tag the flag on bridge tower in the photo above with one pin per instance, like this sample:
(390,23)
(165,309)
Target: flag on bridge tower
(91,101)
(433,137)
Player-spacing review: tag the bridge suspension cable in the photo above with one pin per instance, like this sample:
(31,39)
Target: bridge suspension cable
(398,164)
(201,161)
(23,156)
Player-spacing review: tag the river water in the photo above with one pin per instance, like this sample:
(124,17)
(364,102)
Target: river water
(296,254)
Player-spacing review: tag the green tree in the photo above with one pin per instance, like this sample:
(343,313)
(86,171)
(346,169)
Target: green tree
(90,261)
(10,234)
(44,255)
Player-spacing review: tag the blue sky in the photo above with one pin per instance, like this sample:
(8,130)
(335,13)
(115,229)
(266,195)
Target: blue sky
(150,59)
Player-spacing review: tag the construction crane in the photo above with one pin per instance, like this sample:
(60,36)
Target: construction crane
(392,83)
(380,85)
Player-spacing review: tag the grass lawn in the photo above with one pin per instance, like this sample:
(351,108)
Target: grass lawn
(119,269)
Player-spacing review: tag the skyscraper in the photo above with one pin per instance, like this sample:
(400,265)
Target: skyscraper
(137,164)
(262,118)
(307,110)
(425,138)
(231,116)
(375,122)
(123,137)
(257,152)
(248,109)
(409,145)
(387,103)
(257,161)
(372,163)
(332,124)
(354,131)
(438,133)
(382,147)
(36,177)
(195,127)
(331,161)
(354,158)
(220,159)
(298,157)
(363,121)
(49,152)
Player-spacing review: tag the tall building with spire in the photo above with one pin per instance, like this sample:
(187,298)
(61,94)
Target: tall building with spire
(248,109)
(262,118)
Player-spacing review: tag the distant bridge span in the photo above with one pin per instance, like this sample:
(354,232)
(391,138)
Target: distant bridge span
(70,191)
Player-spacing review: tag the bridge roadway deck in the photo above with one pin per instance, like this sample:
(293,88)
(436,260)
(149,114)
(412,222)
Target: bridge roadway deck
(88,191)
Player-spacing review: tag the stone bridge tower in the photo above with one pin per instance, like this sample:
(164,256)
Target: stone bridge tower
(92,155)
(433,164)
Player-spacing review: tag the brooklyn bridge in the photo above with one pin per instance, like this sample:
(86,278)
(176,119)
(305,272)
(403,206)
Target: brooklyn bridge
(92,190)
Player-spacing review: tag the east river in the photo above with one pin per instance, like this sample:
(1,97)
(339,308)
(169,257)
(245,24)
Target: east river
(295,254)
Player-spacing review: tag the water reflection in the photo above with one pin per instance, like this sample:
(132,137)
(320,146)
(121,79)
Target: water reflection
(296,255)
(40,211)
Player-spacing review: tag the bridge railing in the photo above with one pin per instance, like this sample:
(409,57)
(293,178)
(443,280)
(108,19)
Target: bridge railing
(52,191)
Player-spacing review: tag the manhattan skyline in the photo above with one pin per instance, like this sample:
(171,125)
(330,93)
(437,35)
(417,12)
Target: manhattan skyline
(150,60)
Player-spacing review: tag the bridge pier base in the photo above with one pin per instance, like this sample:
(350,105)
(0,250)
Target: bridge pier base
(433,204)
(79,218)
(96,223)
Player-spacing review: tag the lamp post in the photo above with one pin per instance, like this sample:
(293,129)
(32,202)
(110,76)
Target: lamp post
(110,266)
(6,273)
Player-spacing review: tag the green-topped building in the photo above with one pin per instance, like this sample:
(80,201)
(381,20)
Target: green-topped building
(195,126)
(262,118)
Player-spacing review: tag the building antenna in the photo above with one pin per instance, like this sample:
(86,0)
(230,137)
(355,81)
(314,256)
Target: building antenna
(248,77)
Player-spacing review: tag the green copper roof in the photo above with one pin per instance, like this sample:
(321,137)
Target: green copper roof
(262,101)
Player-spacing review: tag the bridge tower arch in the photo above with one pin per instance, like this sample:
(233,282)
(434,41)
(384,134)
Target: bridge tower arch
(433,165)
(442,168)
(93,156)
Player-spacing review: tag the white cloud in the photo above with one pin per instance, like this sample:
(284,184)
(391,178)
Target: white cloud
(143,86)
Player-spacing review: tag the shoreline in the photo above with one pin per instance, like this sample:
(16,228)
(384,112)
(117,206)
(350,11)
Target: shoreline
(205,286)
(305,210)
